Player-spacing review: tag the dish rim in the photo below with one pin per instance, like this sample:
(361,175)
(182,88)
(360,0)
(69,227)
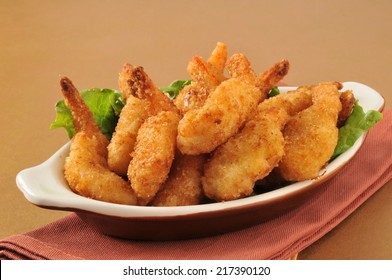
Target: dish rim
(44,185)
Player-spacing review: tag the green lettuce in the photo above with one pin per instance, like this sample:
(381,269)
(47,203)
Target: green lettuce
(356,124)
(105,104)
(175,87)
(274,91)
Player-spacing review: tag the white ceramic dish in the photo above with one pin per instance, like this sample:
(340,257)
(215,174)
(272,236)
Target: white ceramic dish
(44,185)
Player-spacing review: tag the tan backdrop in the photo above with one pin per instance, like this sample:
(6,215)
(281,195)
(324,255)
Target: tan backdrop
(89,41)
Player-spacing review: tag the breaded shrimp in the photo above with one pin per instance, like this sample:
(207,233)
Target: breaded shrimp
(222,115)
(311,135)
(239,67)
(206,76)
(153,155)
(143,99)
(296,100)
(248,156)
(85,168)
(292,102)
(217,61)
(142,87)
(194,95)
(183,187)
(124,81)
(124,138)
(269,78)
(227,108)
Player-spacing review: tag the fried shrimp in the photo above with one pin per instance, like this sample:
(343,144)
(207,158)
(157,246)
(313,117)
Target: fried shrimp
(239,67)
(183,187)
(153,155)
(347,99)
(194,95)
(124,81)
(124,138)
(134,81)
(206,76)
(86,169)
(292,102)
(296,100)
(217,61)
(269,78)
(222,115)
(143,99)
(248,156)
(227,107)
(216,139)
(311,135)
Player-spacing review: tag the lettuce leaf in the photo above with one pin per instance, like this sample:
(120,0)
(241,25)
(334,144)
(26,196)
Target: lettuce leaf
(356,124)
(274,92)
(63,119)
(175,87)
(105,104)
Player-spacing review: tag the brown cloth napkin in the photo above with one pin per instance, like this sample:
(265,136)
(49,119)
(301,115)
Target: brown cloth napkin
(280,238)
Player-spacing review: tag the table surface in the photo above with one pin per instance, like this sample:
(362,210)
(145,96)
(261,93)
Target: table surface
(89,41)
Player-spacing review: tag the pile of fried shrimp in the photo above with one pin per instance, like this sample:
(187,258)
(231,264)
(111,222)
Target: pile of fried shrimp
(214,141)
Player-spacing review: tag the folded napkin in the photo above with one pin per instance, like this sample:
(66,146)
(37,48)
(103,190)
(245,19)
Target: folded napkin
(280,238)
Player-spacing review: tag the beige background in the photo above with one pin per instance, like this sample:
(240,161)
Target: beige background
(89,41)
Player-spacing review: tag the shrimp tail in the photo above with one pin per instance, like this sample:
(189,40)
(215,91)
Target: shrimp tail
(82,117)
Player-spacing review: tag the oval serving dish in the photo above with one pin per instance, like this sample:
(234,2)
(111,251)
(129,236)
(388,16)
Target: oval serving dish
(44,185)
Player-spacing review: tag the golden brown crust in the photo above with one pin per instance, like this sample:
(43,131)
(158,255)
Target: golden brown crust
(292,102)
(153,155)
(205,76)
(87,173)
(239,67)
(144,88)
(269,78)
(311,135)
(123,140)
(85,168)
(82,117)
(245,134)
(248,156)
(123,81)
(217,61)
(183,187)
(225,111)
(143,99)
